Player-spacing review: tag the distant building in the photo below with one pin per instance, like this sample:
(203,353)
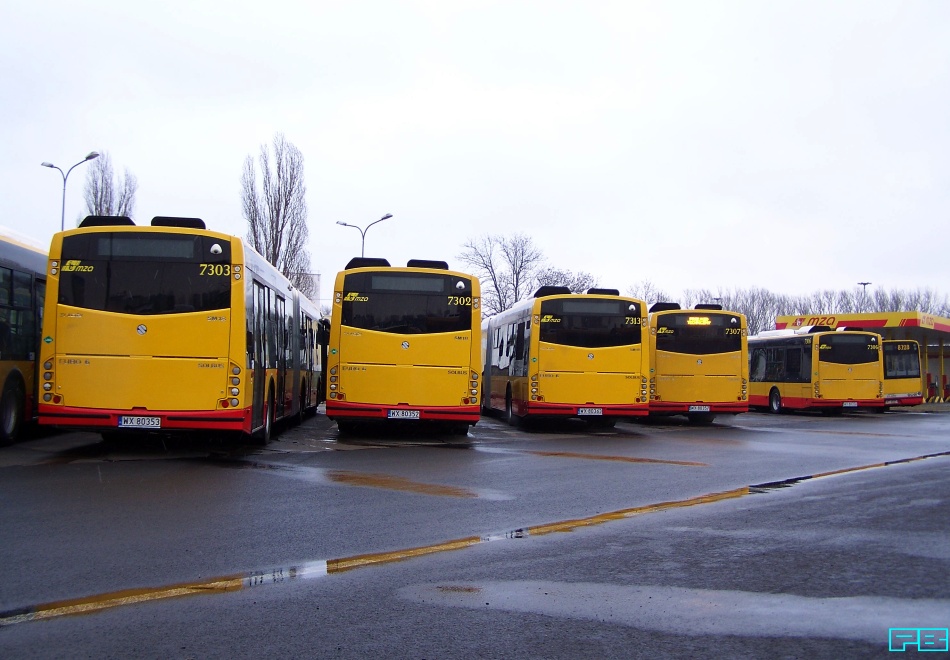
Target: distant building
(315,289)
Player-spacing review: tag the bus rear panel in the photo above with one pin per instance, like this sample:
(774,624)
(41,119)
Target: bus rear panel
(902,374)
(568,355)
(158,328)
(699,363)
(404,346)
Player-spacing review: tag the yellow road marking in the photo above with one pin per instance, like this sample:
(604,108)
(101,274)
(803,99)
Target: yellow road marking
(622,459)
(390,482)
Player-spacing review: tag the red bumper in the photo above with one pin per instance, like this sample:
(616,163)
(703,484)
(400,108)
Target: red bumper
(368,411)
(100,419)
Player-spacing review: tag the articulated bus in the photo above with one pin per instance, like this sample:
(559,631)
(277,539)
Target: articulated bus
(699,362)
(404,346)
(22,290)
(902,381)
(172,327)
(563,354)
(816,369)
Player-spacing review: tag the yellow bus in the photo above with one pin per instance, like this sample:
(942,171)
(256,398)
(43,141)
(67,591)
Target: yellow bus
(816,369)
(563,354)
(404,346)
(902,380)
(699,362)
(22,290)
(172,327)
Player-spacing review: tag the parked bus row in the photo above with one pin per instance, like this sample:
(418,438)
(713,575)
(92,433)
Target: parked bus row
(603,357)
(821,369)
(172,327)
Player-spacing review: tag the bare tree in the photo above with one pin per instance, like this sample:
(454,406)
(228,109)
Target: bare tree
(578,282)
(276,212)
(693,297)
(648,292)
(106,195)
(506,266)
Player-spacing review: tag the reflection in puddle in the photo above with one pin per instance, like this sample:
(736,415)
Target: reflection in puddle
(697,611)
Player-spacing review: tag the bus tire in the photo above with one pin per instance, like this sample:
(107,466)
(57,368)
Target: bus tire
(267,432)
(775,401)
(12,410)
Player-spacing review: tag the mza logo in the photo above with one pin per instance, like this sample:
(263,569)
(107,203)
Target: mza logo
(76,265)
(354,296)
(920,639)
(550,318)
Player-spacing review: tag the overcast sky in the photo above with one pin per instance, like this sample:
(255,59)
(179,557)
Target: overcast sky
(794,146)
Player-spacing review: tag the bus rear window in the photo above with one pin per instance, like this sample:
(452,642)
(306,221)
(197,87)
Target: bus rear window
(842,348)
(590,323)
(698,333)
(407,303)
(145,273)
(901,360)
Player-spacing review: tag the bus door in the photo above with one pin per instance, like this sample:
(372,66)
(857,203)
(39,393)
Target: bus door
(798,372)
(280,387)
(259,355)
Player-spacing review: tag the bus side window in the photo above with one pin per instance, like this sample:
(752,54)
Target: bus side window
(775,365)
(519,341)
(758,366)
(793,364)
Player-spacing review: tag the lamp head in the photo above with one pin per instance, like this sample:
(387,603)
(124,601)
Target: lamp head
(387,216)
(92,155)
(46,164)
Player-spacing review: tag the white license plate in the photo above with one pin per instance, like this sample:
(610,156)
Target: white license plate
(849,404)
(136,422)
(698,409)
(590,411)
(403,414)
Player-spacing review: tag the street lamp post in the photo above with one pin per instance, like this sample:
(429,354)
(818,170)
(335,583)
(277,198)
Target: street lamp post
(864,294)
(92,155)
(363,231)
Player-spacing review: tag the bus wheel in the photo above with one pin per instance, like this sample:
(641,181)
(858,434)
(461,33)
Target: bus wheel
(700,419)
(775,401)
(11,411)
(268,430)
